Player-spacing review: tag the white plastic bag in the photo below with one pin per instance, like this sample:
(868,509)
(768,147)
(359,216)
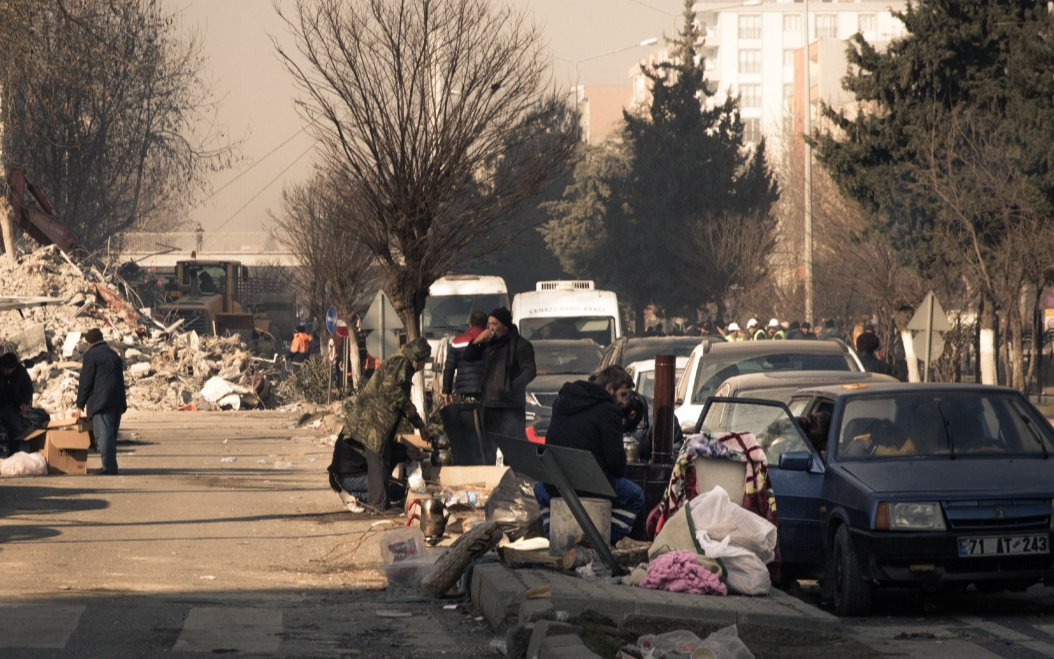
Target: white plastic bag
(724,643)
(415,480)
(24,464)
(715,513)
(746,574)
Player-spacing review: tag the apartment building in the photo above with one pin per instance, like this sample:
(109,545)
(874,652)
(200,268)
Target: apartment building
(751,49)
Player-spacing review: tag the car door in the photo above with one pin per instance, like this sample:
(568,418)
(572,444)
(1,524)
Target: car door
(795,469)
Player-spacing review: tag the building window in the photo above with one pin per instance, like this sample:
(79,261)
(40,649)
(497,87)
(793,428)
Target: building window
(868,23)
(750,96)
(750,26)
(788,90)
(788,124)
(750,61)
(788,57)
(827,26)
(752,130)
(792,23)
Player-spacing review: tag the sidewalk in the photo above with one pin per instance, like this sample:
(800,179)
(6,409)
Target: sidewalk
(499,592)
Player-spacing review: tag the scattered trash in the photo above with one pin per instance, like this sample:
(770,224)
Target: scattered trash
(450,607)
(24,464)
(207,577)
(283,464)
(498,646)
(229,458)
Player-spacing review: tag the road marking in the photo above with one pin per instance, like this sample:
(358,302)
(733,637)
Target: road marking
(1024,640)
(226,628)
(38,626)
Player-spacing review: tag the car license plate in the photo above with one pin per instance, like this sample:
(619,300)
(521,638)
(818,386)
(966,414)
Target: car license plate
(1004,545)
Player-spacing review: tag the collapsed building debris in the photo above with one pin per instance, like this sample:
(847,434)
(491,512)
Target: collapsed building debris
(164,368)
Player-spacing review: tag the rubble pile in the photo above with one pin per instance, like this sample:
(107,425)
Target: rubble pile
(164,369)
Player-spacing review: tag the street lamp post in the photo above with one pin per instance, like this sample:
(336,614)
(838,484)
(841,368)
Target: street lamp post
(643,44)
(807,125)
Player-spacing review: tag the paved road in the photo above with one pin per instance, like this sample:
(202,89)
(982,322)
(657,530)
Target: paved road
(186,553)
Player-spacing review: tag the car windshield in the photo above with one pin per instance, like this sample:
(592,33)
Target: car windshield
(648,348)
(568,359)
(972,424)
(601,329)
(713,370)
(646,384)
(451,312)
(774,428)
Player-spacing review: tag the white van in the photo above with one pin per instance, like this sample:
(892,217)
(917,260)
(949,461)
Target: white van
(567,310)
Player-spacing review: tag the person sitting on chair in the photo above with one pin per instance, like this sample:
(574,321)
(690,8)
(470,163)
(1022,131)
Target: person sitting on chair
(586,416)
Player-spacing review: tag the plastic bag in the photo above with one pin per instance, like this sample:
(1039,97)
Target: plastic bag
(745,573)
(415,480)
(402,544)
(724,643)
(513,506)
(24,464)
(715,513)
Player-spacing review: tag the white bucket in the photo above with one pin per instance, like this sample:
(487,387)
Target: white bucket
(563,529)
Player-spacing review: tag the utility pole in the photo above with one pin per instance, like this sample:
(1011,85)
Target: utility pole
(807,125)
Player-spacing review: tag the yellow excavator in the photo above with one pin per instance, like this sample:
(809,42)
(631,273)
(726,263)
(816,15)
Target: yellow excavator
(203,296)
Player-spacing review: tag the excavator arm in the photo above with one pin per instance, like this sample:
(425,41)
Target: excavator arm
(42,223)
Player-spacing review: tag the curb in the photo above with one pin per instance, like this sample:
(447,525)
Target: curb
(497,592)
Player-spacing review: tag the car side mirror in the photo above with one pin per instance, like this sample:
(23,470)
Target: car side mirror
(795,461)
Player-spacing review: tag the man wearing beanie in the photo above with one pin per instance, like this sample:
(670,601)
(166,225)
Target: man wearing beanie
(365,453)
(508,368)
(866,346)
(101,394)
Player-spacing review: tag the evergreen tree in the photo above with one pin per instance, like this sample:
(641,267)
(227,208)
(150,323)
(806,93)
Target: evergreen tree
(633,215)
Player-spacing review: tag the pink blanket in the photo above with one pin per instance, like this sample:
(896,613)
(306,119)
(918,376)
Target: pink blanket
(679,572)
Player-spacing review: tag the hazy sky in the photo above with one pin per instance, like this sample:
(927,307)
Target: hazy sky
(256,93)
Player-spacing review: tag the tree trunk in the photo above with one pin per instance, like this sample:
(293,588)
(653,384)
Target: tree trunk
(638,320)
(986,343)
(7,230)
(1015,353)
(909,356)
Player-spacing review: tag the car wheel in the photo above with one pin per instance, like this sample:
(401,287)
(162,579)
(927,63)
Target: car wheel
(852,591)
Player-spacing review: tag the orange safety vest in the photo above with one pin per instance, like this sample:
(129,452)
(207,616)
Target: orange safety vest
(301,342)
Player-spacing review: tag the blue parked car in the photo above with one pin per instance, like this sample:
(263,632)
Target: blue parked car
(934,486)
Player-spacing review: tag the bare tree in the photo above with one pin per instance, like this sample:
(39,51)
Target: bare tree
(335,267)
(106,107)
(437,118)
(991,222)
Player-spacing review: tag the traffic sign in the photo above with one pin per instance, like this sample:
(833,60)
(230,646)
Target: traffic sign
(383,325)
(929,320)
(331,320)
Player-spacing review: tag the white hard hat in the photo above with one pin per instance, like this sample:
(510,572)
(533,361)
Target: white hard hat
(752,322)
(774,323)
(733,327)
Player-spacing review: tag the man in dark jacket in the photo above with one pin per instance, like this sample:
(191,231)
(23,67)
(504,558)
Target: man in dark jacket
(587,416)
(101,395)
(866,345)
(460,376)
(16,395)
(508,367)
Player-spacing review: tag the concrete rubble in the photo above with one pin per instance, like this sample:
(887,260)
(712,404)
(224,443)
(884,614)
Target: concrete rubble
(164,369)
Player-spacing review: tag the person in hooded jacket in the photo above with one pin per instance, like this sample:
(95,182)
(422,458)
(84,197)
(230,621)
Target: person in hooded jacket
(16,395)
(587,416)
(459,376)
(508,368)
(101,394)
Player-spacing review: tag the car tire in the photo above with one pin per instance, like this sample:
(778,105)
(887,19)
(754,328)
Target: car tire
(852,591)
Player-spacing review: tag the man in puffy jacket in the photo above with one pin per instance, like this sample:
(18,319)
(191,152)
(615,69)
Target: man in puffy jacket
(16,395)
(509,367)
(101,394)
(587,416)
(459,376)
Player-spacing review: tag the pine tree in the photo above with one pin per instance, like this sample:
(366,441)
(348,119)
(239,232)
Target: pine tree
(643,199)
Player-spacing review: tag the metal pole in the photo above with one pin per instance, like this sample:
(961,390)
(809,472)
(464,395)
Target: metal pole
(929,336)
(807,124)
(662,414)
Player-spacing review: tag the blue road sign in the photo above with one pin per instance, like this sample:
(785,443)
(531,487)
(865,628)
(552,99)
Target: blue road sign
(331,320)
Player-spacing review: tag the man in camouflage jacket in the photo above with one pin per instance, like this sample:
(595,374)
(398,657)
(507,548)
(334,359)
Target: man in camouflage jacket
(372,423)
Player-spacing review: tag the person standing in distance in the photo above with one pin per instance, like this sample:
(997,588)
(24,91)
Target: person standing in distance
(508,369)
(101,394)
(459,376)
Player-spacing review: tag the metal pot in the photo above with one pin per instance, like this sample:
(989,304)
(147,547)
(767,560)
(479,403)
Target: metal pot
(442,457)
(434,516)
(442,442)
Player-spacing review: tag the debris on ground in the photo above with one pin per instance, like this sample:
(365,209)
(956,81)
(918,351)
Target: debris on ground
(165,369)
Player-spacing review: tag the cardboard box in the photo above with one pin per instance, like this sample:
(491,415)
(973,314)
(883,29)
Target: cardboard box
(65,448)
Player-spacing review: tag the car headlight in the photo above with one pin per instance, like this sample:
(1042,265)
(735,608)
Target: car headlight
(909,516)
(531,400)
